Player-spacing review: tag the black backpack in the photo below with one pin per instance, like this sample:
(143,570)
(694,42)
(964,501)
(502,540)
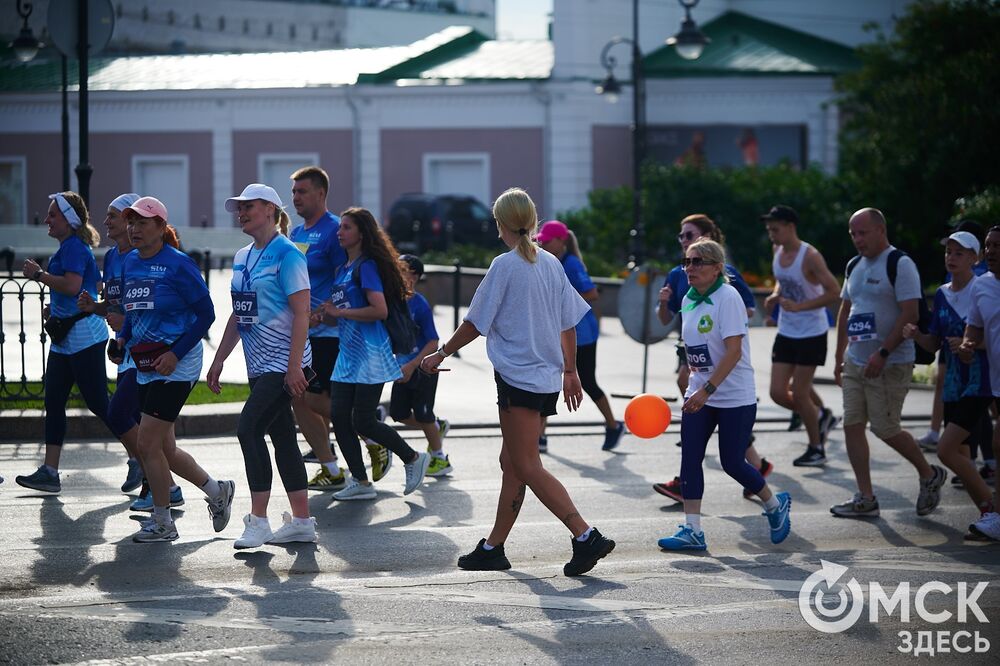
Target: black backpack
(923,357)
(398,323)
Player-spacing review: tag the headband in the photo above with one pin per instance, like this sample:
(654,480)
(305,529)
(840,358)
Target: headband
(68,211)
(124,201)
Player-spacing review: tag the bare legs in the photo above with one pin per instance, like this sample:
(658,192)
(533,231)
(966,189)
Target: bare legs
(522,468)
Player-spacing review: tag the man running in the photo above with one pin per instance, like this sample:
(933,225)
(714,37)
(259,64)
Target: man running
(803,287)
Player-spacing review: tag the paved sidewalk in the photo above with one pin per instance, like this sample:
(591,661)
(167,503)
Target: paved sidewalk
(467,394)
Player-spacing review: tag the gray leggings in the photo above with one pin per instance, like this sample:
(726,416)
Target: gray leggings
(269,410)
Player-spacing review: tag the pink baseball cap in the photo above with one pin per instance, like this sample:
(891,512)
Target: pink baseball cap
(552,229)
(149,207)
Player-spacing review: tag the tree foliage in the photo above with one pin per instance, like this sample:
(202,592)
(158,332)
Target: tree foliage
(734,198)
(922,117)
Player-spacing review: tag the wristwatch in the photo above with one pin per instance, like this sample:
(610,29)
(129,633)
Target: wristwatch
(37,274)
(883,352)
(709,388)
(440,350)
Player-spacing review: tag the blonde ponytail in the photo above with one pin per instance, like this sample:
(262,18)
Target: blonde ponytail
(282,220)
(573,247)
(515,211)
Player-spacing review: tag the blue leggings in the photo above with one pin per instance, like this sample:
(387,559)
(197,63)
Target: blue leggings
(123,410)
(86,369)
(735,425)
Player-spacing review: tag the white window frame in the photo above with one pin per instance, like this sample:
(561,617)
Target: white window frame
(305,159)
(23,162)
(181,158)
(430,158)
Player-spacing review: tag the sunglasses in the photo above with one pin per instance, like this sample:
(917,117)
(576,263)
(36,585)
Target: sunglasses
(687,235)
(696,262)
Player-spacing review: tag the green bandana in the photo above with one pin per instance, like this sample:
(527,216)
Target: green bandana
(697,299)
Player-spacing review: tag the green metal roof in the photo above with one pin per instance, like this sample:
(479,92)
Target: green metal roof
(745,46)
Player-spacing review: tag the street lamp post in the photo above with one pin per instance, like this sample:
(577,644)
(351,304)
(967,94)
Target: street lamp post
(25,45)
(689,42)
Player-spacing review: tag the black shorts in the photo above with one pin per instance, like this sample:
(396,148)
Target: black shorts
(967,413)
(682,353)
(510,396)
(162,399)
(799,351)
(325,352)
(414,398)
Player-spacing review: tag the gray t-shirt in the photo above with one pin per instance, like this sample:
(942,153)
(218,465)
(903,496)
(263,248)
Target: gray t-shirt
(522,308)
(875,306)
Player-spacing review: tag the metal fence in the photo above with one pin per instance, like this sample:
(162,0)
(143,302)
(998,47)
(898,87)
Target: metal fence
(23,342)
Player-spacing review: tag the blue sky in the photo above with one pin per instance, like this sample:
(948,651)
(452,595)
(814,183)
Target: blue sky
(523,19)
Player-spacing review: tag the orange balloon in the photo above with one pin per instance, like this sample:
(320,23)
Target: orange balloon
(647,415)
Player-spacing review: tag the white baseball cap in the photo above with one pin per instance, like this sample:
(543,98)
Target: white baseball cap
(251,192)
(965,239)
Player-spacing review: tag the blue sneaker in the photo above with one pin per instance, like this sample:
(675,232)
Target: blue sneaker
(779,520)
(144,502)
(42,479)
(133,479)
(685,539)
(613,436)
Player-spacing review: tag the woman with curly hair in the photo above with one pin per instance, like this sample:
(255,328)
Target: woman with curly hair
(363,287)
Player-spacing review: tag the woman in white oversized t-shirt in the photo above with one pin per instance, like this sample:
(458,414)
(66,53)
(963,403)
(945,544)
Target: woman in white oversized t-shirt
(720,393)
(528,311)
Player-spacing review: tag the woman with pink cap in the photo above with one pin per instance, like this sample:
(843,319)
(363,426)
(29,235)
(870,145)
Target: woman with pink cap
(168,310)
(556,238)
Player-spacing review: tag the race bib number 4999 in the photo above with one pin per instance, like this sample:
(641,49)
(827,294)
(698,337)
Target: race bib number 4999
(138,295)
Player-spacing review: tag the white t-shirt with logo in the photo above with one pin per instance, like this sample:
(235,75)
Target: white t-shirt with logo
(984,313)
(705,329)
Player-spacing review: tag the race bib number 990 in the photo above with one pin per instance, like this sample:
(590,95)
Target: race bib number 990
(861,327)
(139,295)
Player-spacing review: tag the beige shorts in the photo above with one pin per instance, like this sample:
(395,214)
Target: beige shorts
(877,401)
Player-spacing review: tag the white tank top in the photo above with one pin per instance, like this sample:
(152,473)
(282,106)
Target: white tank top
(795,286)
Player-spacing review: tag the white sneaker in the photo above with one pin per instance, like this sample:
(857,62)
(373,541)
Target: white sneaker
(256,532)
(292,532)
(988,525)
(929,441)
(415,472)
(356,491)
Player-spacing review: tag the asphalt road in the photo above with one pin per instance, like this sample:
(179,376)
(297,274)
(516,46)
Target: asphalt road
(381,586)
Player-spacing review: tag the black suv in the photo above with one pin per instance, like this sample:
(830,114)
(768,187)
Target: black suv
(419,222)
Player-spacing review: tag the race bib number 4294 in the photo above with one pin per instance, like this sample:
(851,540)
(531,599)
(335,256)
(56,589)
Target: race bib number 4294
(861,327)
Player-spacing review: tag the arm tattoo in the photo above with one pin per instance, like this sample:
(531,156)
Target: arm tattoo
(519,500)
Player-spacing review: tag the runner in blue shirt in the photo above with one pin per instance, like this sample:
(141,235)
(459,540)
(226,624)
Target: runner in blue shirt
(967,391)
(556,238)
(693,228)
(358,304)
(167,312)
(77,351)
(317,239)
(123,409)
(413,394)
(270,293)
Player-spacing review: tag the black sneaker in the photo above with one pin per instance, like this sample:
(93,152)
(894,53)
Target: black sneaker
(484,560)
(586,553)
(795,422)
(543,444)
(827,421)
(813,457)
